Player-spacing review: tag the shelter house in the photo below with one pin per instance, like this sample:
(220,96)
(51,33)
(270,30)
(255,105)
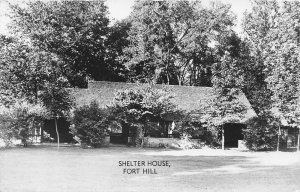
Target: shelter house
(288,131)
(187,98)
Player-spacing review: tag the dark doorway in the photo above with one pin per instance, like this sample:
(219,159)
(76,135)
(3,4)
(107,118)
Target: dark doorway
(233,133)
(120,138)
(292,137)
(63,129)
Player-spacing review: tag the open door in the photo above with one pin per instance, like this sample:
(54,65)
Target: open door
(63,128)
(233,133)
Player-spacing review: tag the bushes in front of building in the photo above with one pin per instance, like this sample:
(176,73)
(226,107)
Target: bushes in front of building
(6,132)
(138,106)
(19,121)
(133,107)
(262,133)
(91,124)
(197,125)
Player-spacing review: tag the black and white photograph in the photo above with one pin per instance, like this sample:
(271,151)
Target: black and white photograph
(150,96)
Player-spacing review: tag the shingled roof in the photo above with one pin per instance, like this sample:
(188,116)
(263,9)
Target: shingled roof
(187,98)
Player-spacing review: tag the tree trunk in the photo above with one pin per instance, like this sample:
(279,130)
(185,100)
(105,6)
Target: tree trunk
(298,142)
(139,136)
(55,121)
(179,80)
(223,138)
(42,132)
(168,78)
(278,139)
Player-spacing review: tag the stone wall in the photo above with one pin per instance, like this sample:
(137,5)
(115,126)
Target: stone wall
(242,145)
(170,143)
(106,141)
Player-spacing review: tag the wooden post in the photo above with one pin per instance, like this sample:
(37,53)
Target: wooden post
(223,138)
(55,121)
(278,138)
(298,142)
(42,132)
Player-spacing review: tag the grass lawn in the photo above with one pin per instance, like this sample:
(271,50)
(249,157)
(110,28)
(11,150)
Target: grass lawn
(75,169)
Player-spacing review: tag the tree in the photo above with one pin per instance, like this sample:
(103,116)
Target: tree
(74,31)
(26,70)
(137,105)
(20,121)
(171,39)
(283,65)
(6,98)
(226,107)
(32,75)
(58,102)
(273,35)
(117,41)
(258,26)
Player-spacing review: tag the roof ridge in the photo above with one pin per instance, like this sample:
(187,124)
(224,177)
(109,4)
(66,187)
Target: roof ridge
(129,83)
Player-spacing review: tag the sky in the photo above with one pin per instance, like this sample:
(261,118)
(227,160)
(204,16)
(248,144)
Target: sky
(120,9)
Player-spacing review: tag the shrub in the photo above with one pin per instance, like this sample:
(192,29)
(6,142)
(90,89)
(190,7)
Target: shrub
(91,124)
(196,126)
(19,121)
(6,133)
(261,133)
(139,105)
